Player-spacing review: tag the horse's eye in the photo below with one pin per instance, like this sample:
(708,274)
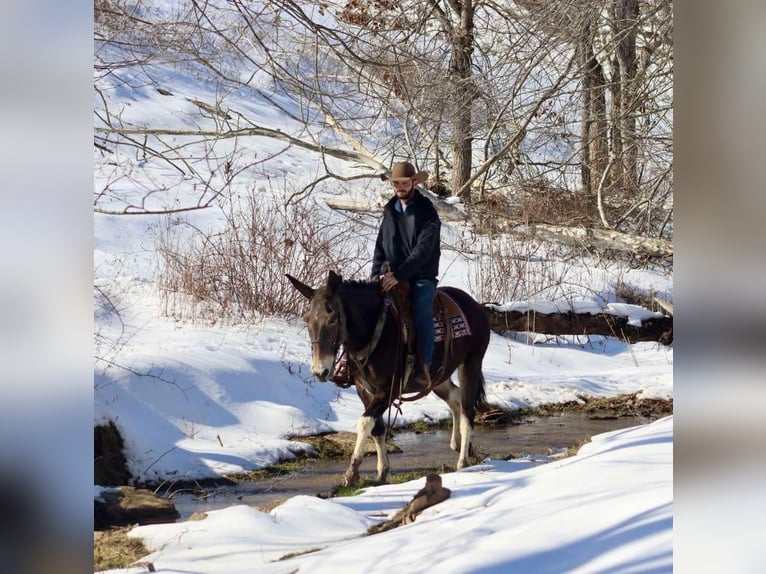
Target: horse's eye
(329,309)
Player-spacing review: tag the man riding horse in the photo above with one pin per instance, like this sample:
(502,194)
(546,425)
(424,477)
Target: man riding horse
(407,251)
(357,317)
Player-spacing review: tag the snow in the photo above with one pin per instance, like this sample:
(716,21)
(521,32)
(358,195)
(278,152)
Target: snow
(607,509)
(200,399)
(634,313)
(214,400)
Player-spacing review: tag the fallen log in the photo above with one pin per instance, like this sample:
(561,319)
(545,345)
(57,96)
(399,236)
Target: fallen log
(626,322)
(345,204)
(447,211)
(597,239)
(666,305)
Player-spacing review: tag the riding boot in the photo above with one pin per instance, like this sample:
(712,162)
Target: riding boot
(409,368)
(425,374)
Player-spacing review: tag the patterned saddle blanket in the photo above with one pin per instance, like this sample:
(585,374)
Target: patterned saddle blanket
(449,320)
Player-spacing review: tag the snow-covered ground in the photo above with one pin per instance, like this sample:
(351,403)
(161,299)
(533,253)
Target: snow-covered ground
(196,399)
(608,509)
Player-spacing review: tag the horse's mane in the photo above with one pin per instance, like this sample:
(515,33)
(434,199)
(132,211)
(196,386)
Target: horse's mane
(361,285)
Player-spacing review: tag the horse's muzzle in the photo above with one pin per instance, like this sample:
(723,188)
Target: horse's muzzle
(323,376)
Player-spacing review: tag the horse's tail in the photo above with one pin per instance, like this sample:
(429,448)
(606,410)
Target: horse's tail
(480,398)
(473,394)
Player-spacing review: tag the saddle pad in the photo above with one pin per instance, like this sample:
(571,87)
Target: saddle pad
(457,321)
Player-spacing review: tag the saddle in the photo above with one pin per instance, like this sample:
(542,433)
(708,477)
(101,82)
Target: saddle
(449,321)
(449,324)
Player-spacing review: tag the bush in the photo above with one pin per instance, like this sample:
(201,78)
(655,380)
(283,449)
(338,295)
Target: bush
(239,272)
(510,268)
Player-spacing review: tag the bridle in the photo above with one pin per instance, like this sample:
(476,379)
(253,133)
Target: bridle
(361,357)
(337,341)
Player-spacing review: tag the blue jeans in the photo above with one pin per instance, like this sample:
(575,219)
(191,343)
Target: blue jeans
(422,294)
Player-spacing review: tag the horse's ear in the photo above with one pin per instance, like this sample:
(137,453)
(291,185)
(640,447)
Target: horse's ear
(333,281)
(304,289)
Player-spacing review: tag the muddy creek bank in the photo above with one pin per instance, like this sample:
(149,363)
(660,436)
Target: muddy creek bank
(420,452)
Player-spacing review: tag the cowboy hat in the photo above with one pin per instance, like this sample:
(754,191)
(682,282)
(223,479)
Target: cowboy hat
(405,171)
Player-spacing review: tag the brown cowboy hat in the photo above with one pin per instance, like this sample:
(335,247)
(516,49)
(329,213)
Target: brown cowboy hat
(404,171)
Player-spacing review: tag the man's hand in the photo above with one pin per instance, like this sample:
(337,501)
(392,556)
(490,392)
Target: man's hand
(388,281)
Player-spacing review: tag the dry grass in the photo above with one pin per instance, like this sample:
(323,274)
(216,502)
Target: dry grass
(113,549)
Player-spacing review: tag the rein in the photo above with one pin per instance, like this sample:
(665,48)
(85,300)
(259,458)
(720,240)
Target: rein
(359,358)
(396,396)
(365,353)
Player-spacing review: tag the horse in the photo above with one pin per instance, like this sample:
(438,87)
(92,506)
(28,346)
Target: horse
(361,319)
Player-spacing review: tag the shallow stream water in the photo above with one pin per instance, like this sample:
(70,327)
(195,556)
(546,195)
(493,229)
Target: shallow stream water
(420,451)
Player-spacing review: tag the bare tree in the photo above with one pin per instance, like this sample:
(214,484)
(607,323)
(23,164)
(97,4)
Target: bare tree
(576,95)
(625,107)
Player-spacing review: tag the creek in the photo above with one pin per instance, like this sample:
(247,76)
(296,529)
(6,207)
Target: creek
(420,451)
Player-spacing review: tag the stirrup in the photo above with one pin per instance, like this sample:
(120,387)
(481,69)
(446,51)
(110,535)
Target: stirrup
(422,372)
(425,378)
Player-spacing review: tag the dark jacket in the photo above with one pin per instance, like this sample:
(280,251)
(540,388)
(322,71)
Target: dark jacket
(409,240)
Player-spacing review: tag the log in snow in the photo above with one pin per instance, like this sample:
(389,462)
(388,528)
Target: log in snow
(626,322)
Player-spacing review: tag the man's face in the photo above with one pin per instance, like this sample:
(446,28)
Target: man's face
(403,189)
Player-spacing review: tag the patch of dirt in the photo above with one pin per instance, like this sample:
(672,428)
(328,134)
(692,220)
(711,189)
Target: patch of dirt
(627,405)
(130,505)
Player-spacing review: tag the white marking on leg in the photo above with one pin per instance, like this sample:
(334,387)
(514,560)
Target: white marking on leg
(363,431)
(465,443)
(450,394)
(454,406)
(383,462)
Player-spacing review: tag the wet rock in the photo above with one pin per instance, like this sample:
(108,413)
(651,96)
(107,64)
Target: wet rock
(110,467)
(127,505)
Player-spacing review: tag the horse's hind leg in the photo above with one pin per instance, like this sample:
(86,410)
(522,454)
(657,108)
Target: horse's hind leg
(450,394)
(472,395)
(379,436)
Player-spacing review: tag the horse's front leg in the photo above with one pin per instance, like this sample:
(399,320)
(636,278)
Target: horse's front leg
(363,431)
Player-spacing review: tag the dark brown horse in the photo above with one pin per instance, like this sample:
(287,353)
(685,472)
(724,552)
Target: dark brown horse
(356,315)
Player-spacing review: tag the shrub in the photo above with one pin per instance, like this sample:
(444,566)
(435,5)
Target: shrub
(239,272)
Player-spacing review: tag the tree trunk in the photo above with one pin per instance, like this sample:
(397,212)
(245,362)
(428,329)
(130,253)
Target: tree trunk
(625,24)
(461,81)
(594,150)
(617,180)
(447,211)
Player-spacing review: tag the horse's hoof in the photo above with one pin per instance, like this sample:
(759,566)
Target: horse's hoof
(350,480)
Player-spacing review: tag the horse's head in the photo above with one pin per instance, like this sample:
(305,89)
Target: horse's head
(325,323)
